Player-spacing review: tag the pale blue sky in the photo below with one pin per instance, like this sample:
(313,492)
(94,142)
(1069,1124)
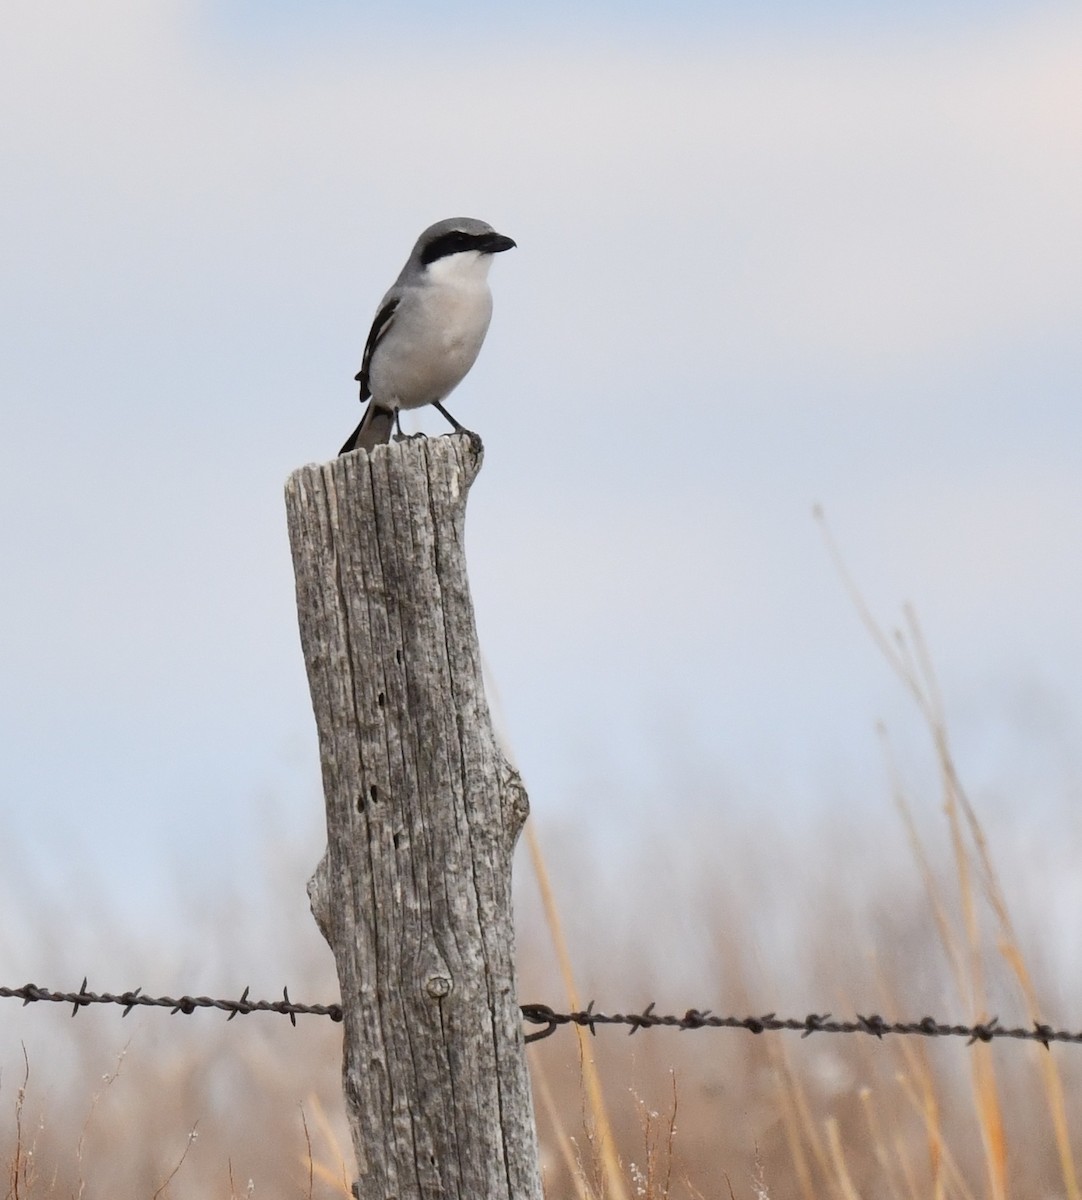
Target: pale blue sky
(476,18)
(761,264)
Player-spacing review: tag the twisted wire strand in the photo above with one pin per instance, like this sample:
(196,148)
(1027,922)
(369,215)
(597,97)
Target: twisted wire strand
(873,1024)
(589,1018)
(29,993)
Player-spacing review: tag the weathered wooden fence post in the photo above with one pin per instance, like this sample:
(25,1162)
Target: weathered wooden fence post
(423,812)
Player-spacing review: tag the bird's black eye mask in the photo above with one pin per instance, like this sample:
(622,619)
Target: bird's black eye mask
(454,243)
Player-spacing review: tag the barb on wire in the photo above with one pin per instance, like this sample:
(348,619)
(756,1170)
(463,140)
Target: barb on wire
(541,1014)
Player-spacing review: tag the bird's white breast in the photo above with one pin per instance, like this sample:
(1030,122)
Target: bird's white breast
(437,333)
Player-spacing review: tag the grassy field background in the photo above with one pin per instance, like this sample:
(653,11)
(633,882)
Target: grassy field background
(894,906)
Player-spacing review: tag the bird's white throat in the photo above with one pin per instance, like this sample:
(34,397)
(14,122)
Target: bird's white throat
(468,268)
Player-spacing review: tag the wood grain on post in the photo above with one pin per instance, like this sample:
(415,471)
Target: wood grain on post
(423,812)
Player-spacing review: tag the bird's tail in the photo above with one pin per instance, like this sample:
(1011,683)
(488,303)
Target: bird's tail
(374,429)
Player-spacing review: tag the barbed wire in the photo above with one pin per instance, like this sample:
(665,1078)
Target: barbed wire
(29,993)
(588,1018)
(875,1025)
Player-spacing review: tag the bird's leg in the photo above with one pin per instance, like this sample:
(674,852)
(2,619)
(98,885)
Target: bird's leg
(454,424)
(404,437)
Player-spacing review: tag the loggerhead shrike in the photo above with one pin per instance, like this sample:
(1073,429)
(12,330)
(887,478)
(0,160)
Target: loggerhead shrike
(429,327)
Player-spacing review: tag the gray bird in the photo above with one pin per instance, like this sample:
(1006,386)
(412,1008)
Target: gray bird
(429,327)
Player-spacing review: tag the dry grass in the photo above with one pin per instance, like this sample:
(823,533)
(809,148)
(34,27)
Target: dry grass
(877,916)
(856,1118)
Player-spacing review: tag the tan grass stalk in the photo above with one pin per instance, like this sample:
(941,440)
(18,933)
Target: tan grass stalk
(1008,944)
(930,1116)
(842,1180)
(649,1184)
(933,891)
(933,1127)
(800,1127)
(107,1081)
(986,1091)
(913,667)
(791,1125)
(917,1064)
(915,1056)
(1051,1079)
(879,1143)
(163,1187)
(308,1161)
(562,1136)
(21,1160)
(334,1171)
(612,1173)
(902,1154)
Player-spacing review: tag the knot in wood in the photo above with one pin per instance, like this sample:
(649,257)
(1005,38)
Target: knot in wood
(438,986)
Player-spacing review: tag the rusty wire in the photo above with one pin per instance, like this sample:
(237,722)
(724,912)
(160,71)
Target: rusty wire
(588,1018)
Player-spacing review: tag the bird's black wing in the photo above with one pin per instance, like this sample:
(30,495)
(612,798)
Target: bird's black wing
(383,322)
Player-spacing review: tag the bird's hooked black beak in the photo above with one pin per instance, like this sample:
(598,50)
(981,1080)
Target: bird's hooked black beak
(496,243)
